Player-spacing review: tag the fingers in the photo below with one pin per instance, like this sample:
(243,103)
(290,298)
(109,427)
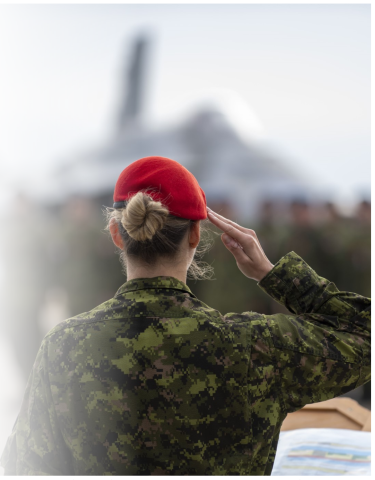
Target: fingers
(235,249)
(243,245)
(213,215)
(225,224)
(230,242)
(227,228)
(221,221)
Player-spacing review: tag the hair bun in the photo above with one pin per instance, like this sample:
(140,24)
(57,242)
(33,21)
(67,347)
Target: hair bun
(143,217)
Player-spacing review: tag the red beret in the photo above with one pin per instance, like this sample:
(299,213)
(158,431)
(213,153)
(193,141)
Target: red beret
(166,181)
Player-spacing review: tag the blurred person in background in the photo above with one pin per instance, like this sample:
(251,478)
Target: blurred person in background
(154,381)
(364,213)
(300,234)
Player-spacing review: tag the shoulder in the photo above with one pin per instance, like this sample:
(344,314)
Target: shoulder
(256,327)
(85,320)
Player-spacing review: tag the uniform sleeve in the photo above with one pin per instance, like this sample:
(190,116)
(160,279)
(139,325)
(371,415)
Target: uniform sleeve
(36,446)
(323,350)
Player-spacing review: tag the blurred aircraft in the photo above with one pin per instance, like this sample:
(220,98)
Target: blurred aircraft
(220,142)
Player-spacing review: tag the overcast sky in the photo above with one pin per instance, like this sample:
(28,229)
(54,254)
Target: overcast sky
(304,70)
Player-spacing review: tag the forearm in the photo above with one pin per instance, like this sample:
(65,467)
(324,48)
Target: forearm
(297,286)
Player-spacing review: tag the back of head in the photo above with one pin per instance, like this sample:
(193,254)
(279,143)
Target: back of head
(148,231)
(147,192)
(143,217)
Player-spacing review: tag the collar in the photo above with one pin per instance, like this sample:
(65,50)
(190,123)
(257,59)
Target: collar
(155,283)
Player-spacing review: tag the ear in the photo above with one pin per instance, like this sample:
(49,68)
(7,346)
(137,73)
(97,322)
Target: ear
(194,234)
(115,234)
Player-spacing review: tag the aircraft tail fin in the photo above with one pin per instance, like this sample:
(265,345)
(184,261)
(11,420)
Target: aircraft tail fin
(132,104)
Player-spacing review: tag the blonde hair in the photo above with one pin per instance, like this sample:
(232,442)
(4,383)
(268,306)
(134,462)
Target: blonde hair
(143,217)
(150,232)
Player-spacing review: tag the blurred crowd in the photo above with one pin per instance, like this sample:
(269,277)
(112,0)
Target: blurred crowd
(58,262)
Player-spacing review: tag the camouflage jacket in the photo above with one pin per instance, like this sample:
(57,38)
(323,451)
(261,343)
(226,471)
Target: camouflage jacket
(154,381)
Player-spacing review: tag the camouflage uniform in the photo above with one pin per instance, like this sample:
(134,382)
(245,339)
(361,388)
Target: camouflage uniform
(154,381)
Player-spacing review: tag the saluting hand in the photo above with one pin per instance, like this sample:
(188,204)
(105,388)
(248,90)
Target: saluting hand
(244,245)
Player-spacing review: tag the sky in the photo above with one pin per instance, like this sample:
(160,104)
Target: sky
(303,70)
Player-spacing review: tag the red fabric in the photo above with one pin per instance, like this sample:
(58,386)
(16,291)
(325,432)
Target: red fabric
(167,181)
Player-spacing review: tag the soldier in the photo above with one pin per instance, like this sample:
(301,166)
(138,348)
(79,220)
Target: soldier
(154,381)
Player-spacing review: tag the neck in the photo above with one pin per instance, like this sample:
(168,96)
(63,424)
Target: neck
(141,271)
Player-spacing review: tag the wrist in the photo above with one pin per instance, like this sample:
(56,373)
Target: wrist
(265,272)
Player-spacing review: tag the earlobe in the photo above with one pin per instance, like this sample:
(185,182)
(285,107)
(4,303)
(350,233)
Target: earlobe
(194,235)
(115,234)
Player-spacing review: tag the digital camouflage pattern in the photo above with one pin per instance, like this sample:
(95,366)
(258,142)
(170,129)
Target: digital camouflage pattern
(154,381)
